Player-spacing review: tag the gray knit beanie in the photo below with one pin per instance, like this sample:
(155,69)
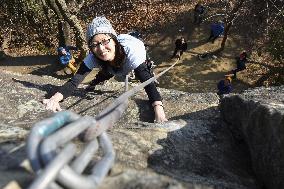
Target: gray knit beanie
(99,25)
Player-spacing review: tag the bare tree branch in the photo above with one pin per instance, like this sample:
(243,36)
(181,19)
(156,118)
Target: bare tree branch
(229,21)
(74,22)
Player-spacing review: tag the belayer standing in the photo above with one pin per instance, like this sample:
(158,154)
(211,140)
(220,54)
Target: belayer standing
(198,12)
(180,47)
(114,55)
(241,63)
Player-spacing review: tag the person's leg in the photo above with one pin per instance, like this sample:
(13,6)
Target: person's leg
(214,38)
(200,18)
(180,53)
(211,35)
(195,18)
(175,53)
(235,73)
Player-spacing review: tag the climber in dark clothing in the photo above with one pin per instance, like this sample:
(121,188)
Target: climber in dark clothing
(216,30)
(199,10)
(180,47)
(66,58)
(241,63)
(225,86)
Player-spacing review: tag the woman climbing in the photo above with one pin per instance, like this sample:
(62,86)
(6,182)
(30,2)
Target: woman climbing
(114,55)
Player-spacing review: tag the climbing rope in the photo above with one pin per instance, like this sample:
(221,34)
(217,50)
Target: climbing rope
(52,154)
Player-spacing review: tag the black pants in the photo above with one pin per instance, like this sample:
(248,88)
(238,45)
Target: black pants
(178,53)
(197,18)
(237,70)
(212,38)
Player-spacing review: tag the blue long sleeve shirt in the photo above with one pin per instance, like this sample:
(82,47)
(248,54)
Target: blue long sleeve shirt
(217,29)
(64,59)
(224,89)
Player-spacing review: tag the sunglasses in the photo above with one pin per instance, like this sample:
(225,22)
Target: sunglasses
(103,43)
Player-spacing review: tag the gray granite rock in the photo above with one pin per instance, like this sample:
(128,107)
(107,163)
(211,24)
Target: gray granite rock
(196,150)
(257,118)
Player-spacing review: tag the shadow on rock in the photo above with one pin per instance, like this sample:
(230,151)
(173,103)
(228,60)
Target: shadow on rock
(145,109)
(92,96)
(48,88)
(204,152)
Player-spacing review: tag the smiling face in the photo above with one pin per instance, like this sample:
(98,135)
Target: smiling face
(103,46)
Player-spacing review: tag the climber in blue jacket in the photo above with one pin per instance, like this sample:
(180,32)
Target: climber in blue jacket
(217,29)
(224,86)
(66,58)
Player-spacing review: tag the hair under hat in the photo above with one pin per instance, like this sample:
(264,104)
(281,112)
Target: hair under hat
(99,25)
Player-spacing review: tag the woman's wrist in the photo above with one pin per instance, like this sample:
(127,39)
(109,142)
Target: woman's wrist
(157,103)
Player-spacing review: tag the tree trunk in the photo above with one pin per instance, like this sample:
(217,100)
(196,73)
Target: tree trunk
(74,22)
(64,38)
(229,22)
(67,33)
(64,12)
(5,45)
(227,29)
(60,34)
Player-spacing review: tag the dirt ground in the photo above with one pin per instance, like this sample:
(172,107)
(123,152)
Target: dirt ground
(190,74)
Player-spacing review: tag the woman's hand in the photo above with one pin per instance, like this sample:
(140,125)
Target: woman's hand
(160,115)
(53,103)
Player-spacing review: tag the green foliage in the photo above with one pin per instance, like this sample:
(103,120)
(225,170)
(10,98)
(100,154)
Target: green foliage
(276,44)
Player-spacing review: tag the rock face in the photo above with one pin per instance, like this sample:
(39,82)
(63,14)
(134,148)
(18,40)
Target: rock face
(197,150)
(257,118)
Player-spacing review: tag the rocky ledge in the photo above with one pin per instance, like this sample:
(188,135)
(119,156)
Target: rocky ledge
(237,144)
